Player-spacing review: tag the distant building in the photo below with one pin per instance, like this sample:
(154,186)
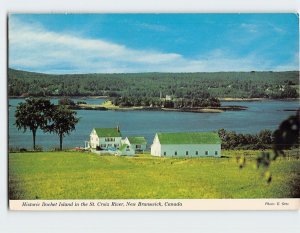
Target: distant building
(125,149)
(132,146)
(138,144)
(190,144)
(168,97)
(104,138)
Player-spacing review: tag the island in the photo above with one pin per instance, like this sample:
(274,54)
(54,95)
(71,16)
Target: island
(108,105)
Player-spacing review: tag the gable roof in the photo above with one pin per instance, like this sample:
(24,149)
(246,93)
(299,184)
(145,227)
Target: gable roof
(189,138)
(107,132)
(137,140)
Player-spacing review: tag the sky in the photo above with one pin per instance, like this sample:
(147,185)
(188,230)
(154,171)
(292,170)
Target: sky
(130,43)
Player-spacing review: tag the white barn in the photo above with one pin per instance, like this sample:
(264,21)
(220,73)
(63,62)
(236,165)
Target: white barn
(190,144)
(105,138)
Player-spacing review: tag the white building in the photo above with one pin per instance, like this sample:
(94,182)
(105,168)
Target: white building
(133,145)
(104,138)
(190,144)
(168,97)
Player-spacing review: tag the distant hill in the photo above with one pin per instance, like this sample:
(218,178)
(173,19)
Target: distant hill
(182,85)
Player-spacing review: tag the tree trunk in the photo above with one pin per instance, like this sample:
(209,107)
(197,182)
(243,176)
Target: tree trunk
(33,136)
(60,141)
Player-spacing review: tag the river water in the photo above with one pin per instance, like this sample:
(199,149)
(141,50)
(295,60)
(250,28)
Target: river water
(259,115)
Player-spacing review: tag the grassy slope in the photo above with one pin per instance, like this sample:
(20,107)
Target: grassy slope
(77,175)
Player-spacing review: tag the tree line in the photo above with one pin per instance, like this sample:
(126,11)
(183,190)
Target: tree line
(285,137)
(40,113)
(129,101)
(235,141)
(152,85)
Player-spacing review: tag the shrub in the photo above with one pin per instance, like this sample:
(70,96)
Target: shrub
(66,101)
(23,149)
(14,149)
(38,148)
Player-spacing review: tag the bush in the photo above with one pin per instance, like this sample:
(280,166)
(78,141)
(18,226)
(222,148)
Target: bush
(66,101)
(38,148)
(16,149)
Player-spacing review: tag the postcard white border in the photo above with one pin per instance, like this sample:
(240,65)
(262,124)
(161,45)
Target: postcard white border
(156,204)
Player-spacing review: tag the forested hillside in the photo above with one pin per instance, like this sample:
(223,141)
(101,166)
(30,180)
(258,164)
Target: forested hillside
(152,85)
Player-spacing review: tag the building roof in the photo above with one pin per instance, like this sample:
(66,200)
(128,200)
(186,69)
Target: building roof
(137,140)
(189,138)
(107,132)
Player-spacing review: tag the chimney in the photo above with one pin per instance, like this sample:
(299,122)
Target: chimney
(118,128)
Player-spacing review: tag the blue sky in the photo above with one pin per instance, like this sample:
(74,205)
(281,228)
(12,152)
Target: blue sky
(118,43)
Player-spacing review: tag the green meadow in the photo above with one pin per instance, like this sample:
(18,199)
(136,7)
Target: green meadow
(83,175)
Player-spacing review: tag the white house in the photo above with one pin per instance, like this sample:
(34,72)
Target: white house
(105,138)
(190,144)
(125,149)
(168,97)
(135,144)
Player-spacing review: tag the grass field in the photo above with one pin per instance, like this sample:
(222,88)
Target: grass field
(82,175)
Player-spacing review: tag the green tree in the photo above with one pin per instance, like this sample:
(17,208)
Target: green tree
(63,122)
(33,114)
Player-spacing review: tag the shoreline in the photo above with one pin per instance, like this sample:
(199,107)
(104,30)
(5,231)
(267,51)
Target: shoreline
(141,108)
(229,99)
(58,97)
(223,99)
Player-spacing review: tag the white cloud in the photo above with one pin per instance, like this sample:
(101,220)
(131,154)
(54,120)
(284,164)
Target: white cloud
(33,48)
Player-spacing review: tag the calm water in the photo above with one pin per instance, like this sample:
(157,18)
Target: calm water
(259,115)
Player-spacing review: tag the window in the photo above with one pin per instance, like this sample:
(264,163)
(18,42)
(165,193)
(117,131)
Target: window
(196,152)
(175,153)
(110,139)
(186,153)
(103,145)
(138,146)
(206,152)
(216,152)
(165,153)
